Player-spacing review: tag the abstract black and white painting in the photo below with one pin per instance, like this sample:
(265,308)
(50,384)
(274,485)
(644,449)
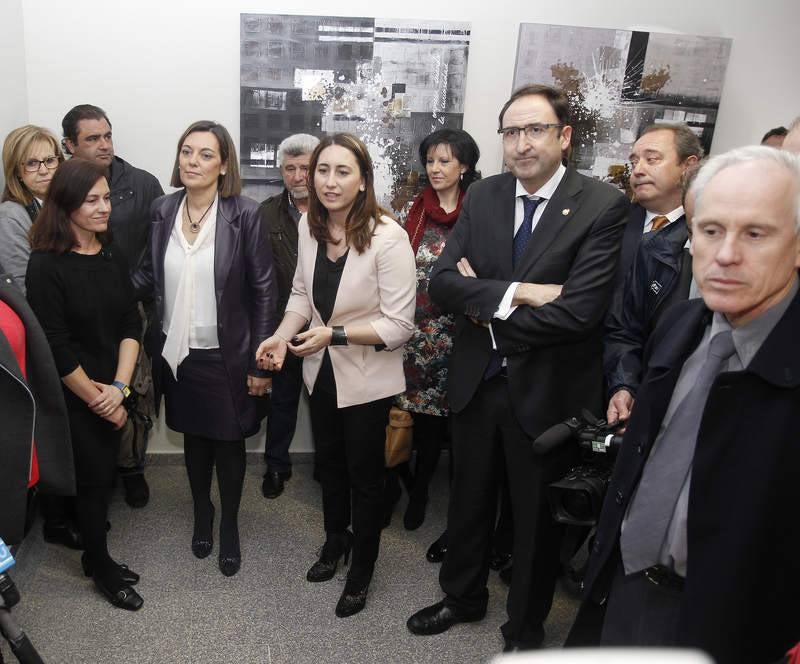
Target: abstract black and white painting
(620,81)
(389,81)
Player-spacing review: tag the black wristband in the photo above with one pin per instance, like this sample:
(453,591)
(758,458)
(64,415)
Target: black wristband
(338,336)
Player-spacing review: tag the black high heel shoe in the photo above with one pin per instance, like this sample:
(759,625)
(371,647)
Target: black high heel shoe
(202,544)
(123,597)
(334,548)
(126,573)
(353,599)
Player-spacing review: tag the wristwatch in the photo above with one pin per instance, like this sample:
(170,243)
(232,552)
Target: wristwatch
(122,387)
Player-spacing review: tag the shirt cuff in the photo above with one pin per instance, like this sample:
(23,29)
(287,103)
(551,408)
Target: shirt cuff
(505,309)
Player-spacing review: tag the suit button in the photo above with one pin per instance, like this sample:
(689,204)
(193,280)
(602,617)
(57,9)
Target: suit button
(640,448)
(619,497)
(596,546)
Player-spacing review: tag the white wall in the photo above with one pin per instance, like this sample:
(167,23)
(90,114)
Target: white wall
(14,98)
(157,66)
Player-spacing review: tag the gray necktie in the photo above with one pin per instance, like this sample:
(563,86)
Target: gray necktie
(668,467)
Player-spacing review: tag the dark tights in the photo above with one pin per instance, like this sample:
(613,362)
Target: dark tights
(91,507)
(201,455)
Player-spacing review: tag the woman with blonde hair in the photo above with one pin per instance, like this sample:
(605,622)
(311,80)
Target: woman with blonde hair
(354,287)
(31,155)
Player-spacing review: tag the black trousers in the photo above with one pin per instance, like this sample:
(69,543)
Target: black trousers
(481,432)
(349,446)
(95,445)
(640,613)
(282,418)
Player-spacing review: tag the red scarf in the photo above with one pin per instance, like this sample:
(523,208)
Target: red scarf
(426,208)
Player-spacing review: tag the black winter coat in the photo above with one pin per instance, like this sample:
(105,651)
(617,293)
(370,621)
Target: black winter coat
(740,601)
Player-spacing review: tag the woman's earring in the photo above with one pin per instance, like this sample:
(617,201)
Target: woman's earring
(362,188)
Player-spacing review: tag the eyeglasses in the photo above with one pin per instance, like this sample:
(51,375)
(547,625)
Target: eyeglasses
(532,132)
(33,165)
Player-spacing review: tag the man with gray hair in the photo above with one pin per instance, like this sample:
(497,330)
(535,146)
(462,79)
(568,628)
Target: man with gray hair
(280,214)
(698,540)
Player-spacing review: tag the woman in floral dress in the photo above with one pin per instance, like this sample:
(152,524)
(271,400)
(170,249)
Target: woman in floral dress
(449,157)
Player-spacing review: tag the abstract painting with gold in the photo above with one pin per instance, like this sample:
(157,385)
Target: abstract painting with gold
(620,81)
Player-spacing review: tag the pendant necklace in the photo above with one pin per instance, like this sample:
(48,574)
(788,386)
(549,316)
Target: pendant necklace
(194,226)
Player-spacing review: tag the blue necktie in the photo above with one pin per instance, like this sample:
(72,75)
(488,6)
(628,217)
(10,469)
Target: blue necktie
(521,239)
(523,235)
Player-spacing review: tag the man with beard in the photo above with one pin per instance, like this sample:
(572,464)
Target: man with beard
(280,214)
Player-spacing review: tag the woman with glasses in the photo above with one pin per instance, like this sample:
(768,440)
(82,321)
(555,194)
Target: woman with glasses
(354,287)
(30,157)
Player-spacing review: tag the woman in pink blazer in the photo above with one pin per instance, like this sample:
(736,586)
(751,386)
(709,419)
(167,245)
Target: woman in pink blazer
(355,288)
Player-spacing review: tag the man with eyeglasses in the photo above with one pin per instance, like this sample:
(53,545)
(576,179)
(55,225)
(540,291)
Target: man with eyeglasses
(280,214)
(529,271)
(87,134)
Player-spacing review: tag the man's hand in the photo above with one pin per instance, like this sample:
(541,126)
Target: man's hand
(536,295)
(312,341)
(258,387)
(465,270)
(619,407)
(107,401)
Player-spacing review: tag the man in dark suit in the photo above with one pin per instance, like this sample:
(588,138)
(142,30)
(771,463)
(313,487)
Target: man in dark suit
(698,540)
(660,160)
(527,353)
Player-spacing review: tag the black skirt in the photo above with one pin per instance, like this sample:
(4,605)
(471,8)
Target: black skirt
(199,402)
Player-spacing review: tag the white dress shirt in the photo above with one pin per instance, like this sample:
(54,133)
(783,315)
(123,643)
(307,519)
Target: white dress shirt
(544,193)
(190,304)
(676,214)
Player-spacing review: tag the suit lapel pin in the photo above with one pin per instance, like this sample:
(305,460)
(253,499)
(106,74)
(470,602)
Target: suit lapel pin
(565,211)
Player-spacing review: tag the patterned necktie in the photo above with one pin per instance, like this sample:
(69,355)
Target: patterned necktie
(669,465)
(659,222)
(523,235)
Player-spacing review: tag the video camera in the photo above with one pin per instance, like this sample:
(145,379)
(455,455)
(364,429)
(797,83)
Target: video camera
(9,597)
(577,498)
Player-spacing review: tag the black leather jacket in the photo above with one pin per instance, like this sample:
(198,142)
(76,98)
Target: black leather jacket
(244,289)
(132,192)
(278,217)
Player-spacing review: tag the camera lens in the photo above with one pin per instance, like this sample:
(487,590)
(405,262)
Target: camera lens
(578,504)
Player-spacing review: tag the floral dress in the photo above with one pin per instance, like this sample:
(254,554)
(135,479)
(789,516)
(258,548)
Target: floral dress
(426,354)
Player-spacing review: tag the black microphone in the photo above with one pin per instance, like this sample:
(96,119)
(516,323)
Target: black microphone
(552,438)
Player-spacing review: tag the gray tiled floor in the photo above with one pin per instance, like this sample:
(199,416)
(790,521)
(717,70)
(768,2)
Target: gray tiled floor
(268,612)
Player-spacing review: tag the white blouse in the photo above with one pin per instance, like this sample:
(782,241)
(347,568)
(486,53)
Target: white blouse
(190,305)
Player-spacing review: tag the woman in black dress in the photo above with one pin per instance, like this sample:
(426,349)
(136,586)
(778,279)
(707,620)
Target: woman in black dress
(79,288)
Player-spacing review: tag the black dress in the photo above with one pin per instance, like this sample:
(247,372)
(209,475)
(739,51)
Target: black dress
(86,306)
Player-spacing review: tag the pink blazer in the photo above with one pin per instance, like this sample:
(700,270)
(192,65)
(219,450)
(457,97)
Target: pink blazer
(378,287)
